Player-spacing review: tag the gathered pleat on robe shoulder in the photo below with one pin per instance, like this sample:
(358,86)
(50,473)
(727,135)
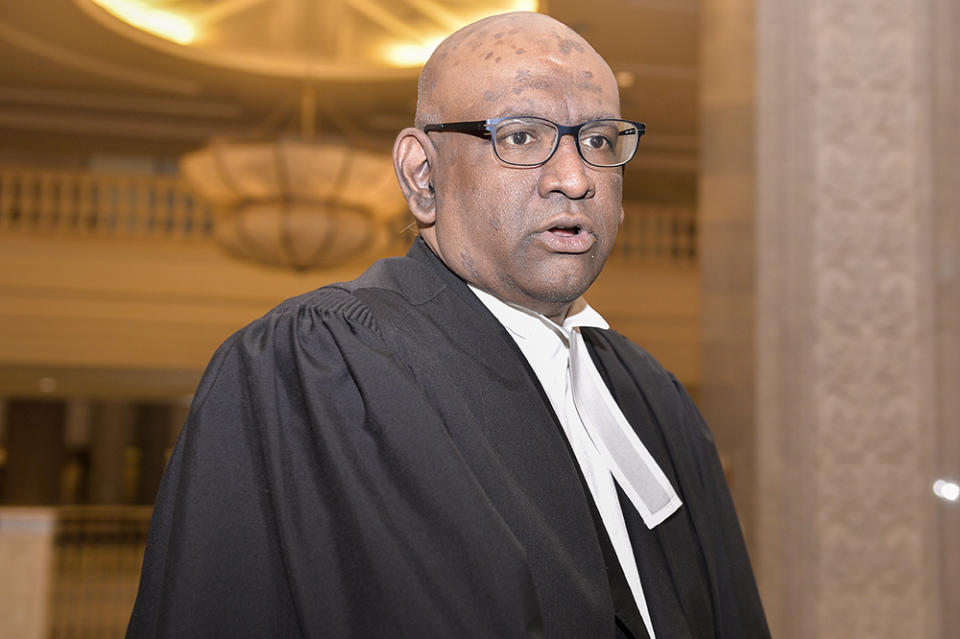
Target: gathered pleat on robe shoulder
(375,459)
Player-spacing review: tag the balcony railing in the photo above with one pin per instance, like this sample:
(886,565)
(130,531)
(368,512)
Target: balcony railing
(70,572)
(81,203)
(657,234)
(98,552)
(85,203)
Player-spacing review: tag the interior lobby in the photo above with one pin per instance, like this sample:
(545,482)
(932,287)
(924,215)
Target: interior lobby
(172,169)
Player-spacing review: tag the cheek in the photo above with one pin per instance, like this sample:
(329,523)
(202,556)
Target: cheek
(495,202)
(610,196)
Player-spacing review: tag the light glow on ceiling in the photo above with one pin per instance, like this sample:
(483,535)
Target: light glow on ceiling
(405,55)
(229,33)
(164,24)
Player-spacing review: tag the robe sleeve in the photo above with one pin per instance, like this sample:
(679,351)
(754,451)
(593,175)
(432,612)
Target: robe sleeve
(314,492)
(738,608)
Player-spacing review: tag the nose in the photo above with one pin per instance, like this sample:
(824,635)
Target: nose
(566,173)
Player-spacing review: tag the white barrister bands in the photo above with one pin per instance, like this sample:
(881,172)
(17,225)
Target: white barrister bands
(631,464)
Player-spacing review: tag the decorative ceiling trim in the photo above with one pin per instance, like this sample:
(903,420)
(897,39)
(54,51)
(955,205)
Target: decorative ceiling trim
(95,66)
(131,127)
(92,101)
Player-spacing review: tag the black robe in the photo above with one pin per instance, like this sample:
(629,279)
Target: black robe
(377,459)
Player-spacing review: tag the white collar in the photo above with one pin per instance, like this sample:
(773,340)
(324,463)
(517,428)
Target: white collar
(524,323)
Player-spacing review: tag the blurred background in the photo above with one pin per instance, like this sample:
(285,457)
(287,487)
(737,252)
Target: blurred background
(171,169)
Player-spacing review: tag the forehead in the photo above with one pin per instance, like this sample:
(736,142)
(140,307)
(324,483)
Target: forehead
(513,67)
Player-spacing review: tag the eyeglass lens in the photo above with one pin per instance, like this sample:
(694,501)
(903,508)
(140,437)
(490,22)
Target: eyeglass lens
(531,141)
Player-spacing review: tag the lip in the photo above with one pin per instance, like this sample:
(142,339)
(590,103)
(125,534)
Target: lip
(567,234)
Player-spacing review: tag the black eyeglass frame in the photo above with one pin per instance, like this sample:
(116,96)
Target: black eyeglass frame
(485,129)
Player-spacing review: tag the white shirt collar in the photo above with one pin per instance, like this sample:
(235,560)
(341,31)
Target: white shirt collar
(525,324)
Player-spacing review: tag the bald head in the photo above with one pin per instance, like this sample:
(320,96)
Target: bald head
(506,57)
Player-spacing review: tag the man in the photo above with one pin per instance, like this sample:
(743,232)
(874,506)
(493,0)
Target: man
(451,445)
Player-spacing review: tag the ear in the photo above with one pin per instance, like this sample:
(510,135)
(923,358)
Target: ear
(413,156)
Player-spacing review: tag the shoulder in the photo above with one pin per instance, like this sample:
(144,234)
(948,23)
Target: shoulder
(334,322)
(334,302)
(353,302)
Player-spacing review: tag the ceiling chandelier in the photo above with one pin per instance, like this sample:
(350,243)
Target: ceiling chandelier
(297,201)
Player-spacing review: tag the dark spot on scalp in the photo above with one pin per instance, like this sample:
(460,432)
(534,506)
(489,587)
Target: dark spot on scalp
(498,35)
(492,96)
(497,59)
(567,45)
(519,51)
(488,56)
(586,83)
(526,80)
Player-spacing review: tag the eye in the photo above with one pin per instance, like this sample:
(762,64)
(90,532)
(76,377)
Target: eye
(596,141)
(517,137)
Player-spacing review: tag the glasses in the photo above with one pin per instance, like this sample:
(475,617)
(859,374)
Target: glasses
(531,141)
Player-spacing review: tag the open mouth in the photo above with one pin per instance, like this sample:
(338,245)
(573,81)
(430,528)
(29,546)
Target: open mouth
(566,231)
(573,238)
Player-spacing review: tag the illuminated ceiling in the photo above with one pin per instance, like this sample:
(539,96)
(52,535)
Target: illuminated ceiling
(73,85)
(332,39)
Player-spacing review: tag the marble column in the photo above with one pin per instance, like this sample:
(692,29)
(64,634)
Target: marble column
(946,193)
(845,367)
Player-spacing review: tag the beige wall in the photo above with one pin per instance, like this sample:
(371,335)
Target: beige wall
(143,316)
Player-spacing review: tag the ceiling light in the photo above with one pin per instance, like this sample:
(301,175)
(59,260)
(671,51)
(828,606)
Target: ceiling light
(625,79)
(946,490)
(525,5)
(406,55)
(47,384)
(164,24)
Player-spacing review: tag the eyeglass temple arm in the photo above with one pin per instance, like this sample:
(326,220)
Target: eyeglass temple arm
(477,127)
